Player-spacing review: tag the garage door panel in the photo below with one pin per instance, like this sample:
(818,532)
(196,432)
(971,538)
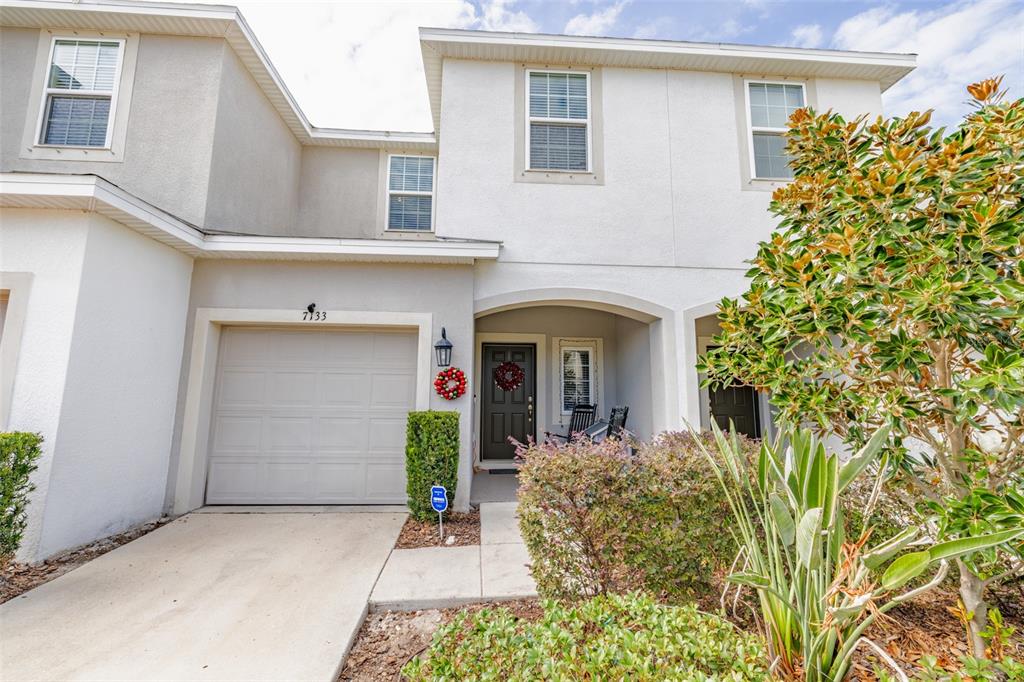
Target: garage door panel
(240,387)
(236,433)
(385,481)
(346,388)
(343,433)
(297,348)
(288,433)
(386,434)
(395,350)
(340,480)
(293,388)
(233,480)
(355,350)
(311,417)
(288,480)
(392,390)
(245,347)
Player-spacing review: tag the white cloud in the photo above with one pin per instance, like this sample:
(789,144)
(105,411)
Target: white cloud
(358,64)
(596,23)
(497,17)
(956,45)
(657,28)
(730,29)
(807,35)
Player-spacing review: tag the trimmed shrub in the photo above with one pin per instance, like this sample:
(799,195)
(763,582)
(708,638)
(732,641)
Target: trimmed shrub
(431,458)
(628,637)
(18,455)
(597,520)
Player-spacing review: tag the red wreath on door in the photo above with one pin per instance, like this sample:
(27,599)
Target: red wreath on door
(450,383)
(509,376)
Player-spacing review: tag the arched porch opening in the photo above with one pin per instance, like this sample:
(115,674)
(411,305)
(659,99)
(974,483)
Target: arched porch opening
(580,346)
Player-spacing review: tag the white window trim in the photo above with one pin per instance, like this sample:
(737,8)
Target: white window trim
(48,92)
(751,128)
(388,192)
(596,348)
(572,121)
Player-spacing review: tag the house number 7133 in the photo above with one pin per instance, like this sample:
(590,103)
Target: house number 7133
(318,316)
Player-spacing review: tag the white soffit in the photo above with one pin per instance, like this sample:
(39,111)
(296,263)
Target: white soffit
(91,193)
(216,21)
(436,44)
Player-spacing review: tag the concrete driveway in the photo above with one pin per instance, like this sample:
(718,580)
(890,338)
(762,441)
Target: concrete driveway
(211,596)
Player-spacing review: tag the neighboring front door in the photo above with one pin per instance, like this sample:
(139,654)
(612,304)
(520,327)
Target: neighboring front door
(737,404)
(506,413)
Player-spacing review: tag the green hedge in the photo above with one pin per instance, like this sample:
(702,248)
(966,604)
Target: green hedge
(615,637)
(431,458)
(18,455)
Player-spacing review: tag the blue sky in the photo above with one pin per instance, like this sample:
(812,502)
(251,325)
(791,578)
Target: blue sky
(357,64)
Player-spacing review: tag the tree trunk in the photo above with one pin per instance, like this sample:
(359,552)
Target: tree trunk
(972,594)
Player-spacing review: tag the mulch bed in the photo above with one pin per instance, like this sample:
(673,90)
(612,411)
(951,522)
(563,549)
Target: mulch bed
(16,578)
(927,625)
(389,639)
(463,527)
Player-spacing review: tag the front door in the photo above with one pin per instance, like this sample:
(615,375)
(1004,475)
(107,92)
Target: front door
(507,413)
(737,404)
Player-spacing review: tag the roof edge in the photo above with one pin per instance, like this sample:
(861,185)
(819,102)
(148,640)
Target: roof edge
(94,194)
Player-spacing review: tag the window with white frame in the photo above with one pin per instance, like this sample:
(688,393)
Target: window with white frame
(411,193)
(578,375)
(770,105)
(558,126)
(80,92)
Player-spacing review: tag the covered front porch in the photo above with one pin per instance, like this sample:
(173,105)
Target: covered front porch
(569,353)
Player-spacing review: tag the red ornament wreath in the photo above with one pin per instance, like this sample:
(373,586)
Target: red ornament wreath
(509,376)
(450,383)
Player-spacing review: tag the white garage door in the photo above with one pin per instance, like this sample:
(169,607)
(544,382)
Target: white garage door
(310,417)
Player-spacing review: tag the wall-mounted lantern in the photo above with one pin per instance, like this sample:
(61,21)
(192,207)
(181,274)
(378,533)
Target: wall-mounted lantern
(443,348)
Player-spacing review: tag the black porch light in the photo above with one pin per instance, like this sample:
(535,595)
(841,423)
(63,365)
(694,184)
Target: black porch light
(443,348)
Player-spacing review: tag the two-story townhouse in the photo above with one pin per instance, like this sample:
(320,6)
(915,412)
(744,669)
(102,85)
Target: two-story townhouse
(208,300)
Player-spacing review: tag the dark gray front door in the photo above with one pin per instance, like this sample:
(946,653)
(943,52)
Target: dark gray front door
(506,413)
(739,405)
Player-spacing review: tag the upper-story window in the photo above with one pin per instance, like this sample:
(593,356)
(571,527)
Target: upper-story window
(770,105)
(80,92)
(558,125)
(411,193)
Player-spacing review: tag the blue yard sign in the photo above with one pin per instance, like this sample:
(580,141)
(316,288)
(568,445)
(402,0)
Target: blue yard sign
(439,501)
(438,498)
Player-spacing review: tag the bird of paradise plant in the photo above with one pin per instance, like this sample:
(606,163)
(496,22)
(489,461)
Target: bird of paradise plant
(818,589)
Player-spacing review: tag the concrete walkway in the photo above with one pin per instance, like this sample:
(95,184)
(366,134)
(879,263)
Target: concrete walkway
(207,597)
(437,577)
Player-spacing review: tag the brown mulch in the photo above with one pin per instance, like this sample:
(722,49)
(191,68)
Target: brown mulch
(16,578)
(926,626)
(463,527)
(389,639)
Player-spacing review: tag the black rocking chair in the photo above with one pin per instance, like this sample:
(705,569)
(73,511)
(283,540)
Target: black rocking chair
(617,422)
(614,427)
(581,419)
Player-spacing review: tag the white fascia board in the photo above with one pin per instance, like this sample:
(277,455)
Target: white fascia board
(91,193)
(363,249)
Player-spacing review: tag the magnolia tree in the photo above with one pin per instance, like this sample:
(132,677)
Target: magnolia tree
(892,295)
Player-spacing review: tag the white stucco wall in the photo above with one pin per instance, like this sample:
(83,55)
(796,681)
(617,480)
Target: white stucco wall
(445,292)
(171,123)
(254,161)
(50,245)
(672,222)
(117,414)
